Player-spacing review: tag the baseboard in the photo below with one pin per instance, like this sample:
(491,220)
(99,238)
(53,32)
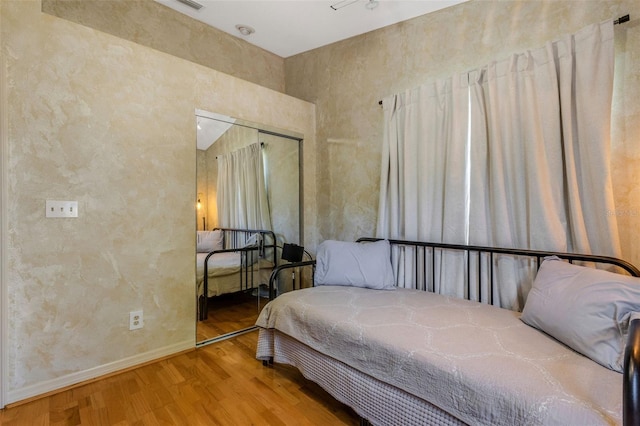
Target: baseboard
(59,383)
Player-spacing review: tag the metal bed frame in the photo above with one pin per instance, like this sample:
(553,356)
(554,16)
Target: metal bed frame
(424,258)
(234,240)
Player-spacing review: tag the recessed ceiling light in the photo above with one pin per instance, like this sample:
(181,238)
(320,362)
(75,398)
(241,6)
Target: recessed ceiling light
(372,4)
(245,30)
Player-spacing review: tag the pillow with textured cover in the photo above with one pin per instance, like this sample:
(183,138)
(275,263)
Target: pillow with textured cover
(355,264)
(208,241)
(585,308)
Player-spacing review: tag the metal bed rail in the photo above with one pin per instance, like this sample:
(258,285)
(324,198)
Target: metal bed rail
(425,254)
(424,257)
(235,240)
(278,269)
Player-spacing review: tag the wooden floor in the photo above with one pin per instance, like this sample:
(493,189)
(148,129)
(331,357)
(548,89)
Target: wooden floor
(229,313)
(218,384)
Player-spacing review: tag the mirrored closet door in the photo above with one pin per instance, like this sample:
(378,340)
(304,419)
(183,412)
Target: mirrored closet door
(248,205)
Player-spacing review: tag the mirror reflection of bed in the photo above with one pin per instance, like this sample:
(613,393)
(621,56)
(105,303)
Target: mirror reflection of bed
(233,269)
(248,206)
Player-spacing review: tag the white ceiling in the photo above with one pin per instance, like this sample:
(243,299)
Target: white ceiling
(290,27)
(211,127)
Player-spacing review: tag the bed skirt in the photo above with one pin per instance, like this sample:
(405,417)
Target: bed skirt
(378,402)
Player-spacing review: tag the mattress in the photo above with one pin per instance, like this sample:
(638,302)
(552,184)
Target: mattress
(477,362)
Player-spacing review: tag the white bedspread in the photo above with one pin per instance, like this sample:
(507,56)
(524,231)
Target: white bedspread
(478,362)
(219,264)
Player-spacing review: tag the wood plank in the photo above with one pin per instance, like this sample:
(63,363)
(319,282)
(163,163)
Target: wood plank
(218,384)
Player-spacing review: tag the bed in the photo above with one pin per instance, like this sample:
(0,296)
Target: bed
(230,260)
(410,356)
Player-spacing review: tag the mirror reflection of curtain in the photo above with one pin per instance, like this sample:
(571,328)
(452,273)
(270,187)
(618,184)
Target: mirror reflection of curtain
(242,196)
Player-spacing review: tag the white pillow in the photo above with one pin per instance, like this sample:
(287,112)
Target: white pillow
(354,264)
(208,241)
(587,309)
(252,240)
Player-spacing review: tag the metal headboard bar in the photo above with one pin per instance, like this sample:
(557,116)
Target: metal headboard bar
(482,252)
(491,279)
(240,236)
(280,268)
(468,256)
(433,270)
(537,254)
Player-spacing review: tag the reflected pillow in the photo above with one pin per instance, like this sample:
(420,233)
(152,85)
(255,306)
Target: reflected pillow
(354,264)
(252,240)
(587,309)
(208,241)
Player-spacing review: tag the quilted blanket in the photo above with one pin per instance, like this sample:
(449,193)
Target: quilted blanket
(478,362)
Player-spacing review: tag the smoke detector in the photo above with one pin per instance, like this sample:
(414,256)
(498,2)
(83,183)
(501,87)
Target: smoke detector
(245,30)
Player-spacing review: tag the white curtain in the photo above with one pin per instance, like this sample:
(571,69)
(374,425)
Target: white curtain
(242,196)
(536,156)
(423,181)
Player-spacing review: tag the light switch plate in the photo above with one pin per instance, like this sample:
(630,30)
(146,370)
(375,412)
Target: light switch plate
(56,208)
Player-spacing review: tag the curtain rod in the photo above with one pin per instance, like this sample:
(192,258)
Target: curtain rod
(261,145)
(620,20)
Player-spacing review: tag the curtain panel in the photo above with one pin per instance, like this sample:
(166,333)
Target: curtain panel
(512,154)
(423,190)
(242,196)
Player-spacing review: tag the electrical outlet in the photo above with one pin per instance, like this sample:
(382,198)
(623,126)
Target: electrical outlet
(136,320)
(56,208)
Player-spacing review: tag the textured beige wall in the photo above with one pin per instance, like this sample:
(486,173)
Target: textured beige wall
(347,79)
(154,25)
(111,124)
